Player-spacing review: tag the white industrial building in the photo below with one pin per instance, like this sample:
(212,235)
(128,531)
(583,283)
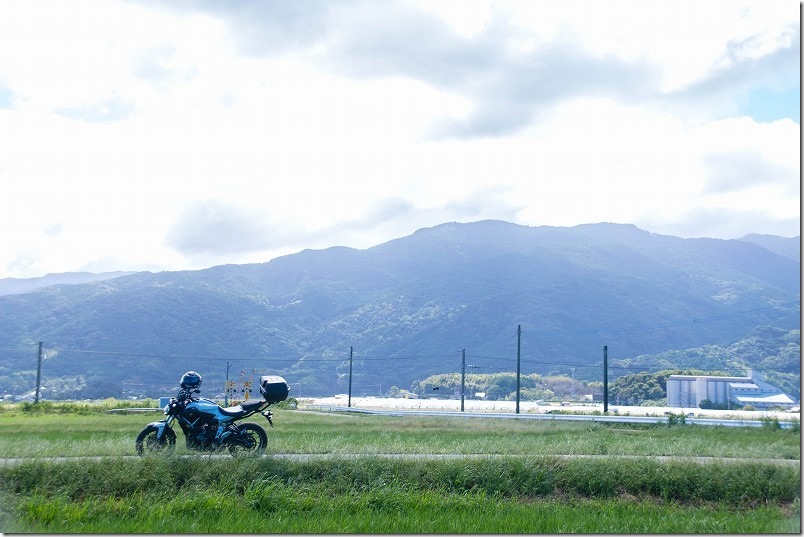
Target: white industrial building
(689,390)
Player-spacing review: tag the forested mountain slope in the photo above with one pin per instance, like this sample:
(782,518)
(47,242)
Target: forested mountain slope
(407,308)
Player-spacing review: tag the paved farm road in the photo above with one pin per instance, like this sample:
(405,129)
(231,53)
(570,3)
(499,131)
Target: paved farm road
(447,456)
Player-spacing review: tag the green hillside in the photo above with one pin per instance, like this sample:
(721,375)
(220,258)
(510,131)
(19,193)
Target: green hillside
(407,308)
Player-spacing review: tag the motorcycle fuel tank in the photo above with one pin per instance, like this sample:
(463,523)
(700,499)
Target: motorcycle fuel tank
(203,408)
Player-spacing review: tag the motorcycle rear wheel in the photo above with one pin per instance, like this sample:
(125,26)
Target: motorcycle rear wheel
(147,441)
(250,442)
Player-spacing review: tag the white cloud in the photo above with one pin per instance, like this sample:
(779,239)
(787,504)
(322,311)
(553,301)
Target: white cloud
(141,135)
(733,171)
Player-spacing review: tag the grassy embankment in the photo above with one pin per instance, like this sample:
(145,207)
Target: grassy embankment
(521,487)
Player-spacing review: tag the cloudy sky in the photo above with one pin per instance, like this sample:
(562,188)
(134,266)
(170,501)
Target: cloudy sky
(147,135)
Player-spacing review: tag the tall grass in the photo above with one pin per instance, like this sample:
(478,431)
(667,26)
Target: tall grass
(102,433)
(518,484)
(388,511)
(50,407)
(374,495)
(734,484)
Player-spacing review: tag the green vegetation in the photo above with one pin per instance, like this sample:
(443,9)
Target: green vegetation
(378,495)
(774,352)
(473,476)
(50,407)
(639,388)
(100,433)
(501,386)
(407,305)
(780,350)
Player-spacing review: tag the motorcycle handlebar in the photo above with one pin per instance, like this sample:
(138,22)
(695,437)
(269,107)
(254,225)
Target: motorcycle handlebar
(186,394)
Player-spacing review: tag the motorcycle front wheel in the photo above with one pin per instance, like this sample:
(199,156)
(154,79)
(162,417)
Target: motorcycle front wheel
(147,441)
(251,440)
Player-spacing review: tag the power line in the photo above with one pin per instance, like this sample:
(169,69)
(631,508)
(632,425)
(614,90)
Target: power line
(196,356)
(409,357)
(220,358)
(612,330)
(669,324)
(141,355)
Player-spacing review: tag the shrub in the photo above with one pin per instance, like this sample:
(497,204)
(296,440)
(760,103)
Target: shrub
(708,404)
(795,425)
(771,423)
(290,403)
(676,419)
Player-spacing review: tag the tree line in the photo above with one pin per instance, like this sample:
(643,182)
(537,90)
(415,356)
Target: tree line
(642,388)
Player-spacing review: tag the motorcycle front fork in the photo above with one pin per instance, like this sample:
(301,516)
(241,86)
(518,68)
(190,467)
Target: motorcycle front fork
(161,432)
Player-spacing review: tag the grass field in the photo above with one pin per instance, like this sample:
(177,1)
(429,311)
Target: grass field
(520,486)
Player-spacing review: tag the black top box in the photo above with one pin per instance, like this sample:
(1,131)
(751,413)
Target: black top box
(274,388)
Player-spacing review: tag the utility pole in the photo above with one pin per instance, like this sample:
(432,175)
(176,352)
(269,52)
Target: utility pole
(605,379)
(518,354)
(463,375)
(226,387)
(572,385)
(38,374)
(351,352)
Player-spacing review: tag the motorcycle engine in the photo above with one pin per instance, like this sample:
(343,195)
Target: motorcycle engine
(206,434)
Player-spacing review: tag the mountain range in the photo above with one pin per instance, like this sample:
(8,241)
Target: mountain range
(16,286)
(406,309)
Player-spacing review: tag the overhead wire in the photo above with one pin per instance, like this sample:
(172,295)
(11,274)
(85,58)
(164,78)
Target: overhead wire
(407,357)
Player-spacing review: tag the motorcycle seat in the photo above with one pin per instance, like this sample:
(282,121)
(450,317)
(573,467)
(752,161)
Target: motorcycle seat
(242,408)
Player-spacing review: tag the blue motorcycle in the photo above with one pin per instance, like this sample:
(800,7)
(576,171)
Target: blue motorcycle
(209,427)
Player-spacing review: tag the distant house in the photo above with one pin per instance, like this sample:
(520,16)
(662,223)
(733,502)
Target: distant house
(736,392)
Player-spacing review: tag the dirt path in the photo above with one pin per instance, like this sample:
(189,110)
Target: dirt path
(302,457)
